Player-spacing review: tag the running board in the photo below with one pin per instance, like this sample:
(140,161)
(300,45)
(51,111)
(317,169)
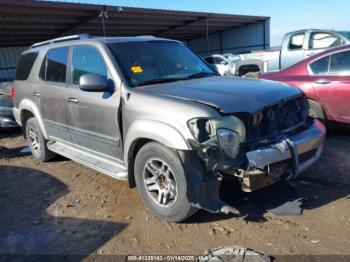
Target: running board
(110,168)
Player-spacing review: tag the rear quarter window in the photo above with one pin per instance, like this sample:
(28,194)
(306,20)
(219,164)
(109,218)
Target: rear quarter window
(25,65)
(320,66)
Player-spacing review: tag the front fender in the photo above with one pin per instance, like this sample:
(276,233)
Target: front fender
(156,131)
(28,105)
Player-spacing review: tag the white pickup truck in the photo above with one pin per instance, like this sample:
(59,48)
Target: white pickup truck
(296,46)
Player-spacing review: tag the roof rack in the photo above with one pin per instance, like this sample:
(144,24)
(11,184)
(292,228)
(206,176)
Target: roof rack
(61,39)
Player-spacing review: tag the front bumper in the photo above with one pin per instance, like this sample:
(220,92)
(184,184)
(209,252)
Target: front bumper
(287,159)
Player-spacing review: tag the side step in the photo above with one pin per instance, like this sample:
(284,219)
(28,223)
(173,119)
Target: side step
(91,160)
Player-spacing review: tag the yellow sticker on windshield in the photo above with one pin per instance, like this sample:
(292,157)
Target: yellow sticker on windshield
(136,69)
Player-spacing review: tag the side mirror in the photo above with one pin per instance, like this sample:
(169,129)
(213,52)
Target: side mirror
(92,83)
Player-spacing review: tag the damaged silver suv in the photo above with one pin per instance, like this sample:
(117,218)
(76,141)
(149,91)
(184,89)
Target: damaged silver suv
(151,111)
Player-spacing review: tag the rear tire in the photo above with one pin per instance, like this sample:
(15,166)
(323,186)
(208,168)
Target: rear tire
(159,171)
(37,142)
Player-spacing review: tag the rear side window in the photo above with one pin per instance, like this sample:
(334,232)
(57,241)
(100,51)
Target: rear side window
(87,60)
(296,41)
(320,67)
(54,67)
(25,65)
(324,40)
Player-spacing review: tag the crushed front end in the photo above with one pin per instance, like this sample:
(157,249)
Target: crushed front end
(276,143)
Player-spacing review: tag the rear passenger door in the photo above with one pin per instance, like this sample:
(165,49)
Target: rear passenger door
(92,117)
(53,75)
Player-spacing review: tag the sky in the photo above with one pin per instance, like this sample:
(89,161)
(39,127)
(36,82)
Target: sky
(285,16)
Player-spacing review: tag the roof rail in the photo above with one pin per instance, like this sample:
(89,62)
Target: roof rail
(61,39)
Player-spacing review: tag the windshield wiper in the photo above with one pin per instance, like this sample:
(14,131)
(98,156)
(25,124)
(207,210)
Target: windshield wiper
(199,74)
(173,79)
(159,81)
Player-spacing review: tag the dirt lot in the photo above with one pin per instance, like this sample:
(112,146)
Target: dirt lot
(62,207)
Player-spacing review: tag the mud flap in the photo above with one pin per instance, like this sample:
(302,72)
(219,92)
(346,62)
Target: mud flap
(203,189)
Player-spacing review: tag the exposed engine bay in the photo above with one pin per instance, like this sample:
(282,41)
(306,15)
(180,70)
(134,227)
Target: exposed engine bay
(230,146)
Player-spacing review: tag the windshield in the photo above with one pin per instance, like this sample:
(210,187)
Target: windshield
(155,62)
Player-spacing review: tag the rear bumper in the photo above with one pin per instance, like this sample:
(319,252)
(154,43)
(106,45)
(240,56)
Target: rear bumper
(288,158)
(6,117)
(7,122)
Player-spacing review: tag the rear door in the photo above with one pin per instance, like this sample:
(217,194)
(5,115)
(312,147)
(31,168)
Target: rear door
(53,86)
(92,117)
(330,78)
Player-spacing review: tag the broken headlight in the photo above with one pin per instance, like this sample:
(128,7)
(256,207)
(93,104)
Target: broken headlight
(228,132)
(229,141)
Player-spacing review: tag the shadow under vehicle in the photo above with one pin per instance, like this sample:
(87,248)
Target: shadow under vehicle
(33,232)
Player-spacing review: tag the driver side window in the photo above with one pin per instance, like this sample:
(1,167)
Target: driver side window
(296,41)
(219,61)
(87,60)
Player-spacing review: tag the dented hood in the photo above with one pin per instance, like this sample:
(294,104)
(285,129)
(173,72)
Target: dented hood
(227,94)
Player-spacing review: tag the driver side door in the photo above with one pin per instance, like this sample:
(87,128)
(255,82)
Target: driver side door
(92,117)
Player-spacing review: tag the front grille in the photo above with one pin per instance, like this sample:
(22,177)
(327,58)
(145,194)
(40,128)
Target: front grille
(288,163)
(271,122)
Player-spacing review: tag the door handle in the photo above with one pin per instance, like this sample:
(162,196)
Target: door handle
(322,81)
(310,54)
(73,100)
(36,94)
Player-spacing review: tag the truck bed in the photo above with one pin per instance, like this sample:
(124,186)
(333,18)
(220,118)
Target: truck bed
(269,57)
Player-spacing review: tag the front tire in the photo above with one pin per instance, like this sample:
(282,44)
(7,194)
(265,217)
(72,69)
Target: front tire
(160,179)
(37,142)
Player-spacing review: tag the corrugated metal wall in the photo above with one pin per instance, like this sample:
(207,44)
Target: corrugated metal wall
(239,40)
(8,60)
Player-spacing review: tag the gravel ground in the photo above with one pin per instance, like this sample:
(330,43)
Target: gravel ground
(62,207)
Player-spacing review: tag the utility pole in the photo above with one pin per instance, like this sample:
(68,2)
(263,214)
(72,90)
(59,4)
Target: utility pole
(207,34)
(104,16)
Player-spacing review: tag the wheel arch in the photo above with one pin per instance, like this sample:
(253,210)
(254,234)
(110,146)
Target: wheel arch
(248,68)
(29,109)
(142,132)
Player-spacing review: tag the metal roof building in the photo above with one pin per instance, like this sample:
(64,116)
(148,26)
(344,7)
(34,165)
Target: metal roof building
(24,22)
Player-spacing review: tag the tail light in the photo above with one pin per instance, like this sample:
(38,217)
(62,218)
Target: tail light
(13,92)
